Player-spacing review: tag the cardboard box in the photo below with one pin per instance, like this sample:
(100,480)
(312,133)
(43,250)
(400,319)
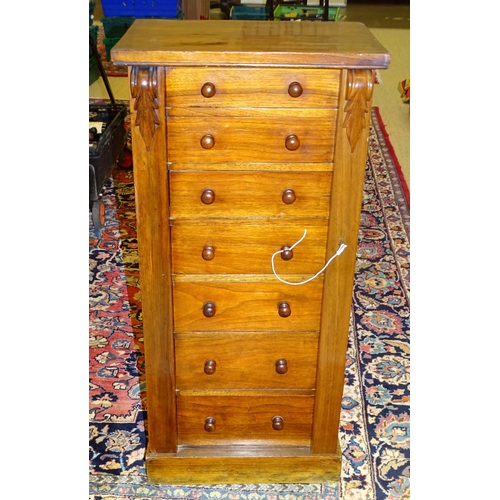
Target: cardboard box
(196,9)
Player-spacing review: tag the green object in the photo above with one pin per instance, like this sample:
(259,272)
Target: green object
(91,13)
(116,26)
(93,33)
(255,12)
(110,43)
(304,13)
(93,70)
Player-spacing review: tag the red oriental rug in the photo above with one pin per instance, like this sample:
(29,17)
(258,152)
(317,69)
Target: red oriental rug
(375,419)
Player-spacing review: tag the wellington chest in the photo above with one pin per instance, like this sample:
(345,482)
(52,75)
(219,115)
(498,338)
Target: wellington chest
(250,143)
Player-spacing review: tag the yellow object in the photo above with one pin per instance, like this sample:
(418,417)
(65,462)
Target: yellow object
(404,90)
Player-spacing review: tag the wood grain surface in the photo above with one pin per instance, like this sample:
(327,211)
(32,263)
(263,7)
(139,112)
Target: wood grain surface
(245,307)
(249,88)
(242,420)
(240,139)
(250,194)
(246,360)
(245,246)
(250,43)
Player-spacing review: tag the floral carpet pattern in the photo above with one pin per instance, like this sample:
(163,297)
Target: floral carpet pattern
(375,419)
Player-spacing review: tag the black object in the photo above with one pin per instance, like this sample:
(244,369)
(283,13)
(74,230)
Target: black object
(107,144)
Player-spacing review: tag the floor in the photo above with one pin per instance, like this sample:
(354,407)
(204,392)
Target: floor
(390,23)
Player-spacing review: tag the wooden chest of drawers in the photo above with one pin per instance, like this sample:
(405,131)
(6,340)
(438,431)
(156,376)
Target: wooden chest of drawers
(247,135)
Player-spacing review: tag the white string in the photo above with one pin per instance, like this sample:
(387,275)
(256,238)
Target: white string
(341,248)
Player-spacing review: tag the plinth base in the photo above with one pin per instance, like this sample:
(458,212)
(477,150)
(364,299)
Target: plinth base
(240,465)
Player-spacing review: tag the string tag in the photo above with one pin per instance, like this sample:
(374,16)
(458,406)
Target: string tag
(341,248)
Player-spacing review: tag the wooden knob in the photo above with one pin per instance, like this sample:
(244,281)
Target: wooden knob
(208,252)
(284,309)
(281,366)
(278,423)
(210,366)
(209,309)
(208,141)
(288,196)
(286,254)
(291,142)
(208,90)
(295,89)
(208,196)
(210,424)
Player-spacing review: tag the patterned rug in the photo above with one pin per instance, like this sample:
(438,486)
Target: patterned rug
(375,419)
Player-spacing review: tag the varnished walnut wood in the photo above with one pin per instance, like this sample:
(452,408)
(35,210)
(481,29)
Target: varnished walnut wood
(247,360)
(295,89)
(278,423)
(144,92)
(210,366)
(250,43)
(281,366)
(208,252)
(246,166)
(288,196)
(250,194)
(346,199)
(243,464)
(238,306)
(152,210)
(240,139)
(287,253)
(208,90)
(241,89)
(209,309)
(245,246)
(292,142)
(209,424)
(357,105)
(207,141)
(207,196)
(318,87)
(243,420)
(284,309)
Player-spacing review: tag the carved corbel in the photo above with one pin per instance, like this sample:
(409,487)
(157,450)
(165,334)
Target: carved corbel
(144,91)
(358,96)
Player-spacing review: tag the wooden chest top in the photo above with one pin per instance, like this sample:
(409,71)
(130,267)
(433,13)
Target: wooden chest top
(161,41)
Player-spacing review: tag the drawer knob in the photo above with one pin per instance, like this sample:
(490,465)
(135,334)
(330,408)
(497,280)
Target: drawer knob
(288,196)
(208,90)
(291,142)
(210,366)
(208,141)
(278,423)
(210,424)
(287,253)
(208,252)
(295,89)
(281,366)
(208,196)
(209,309)
(284,309)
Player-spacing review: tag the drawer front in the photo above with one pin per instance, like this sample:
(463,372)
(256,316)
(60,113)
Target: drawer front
(262,139)
(250,194)
(252,87)
(246,306)
(246,246)
(246,361)
(244,420)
